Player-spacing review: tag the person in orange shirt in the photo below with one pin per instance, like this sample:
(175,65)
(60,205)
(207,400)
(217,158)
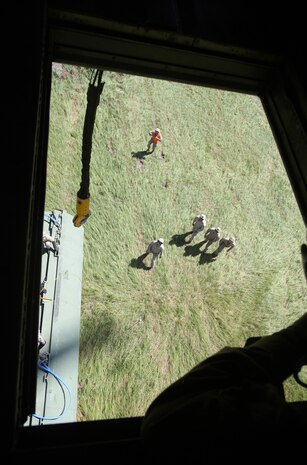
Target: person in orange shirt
(155,137)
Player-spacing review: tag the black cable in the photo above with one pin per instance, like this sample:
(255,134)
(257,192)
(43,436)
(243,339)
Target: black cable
(93,99)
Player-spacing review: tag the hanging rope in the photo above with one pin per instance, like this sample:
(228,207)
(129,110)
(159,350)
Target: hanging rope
(83,196)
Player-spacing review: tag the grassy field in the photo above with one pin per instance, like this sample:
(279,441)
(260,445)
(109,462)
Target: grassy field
(141,330)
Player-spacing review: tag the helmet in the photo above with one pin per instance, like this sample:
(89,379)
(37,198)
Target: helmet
(232,239)
(157,130)
(202,217)
(218,229)
(161,240)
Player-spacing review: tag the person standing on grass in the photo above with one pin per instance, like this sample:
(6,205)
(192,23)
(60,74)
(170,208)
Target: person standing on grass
(211,235)
(226,242)
(155,137)
(198,225)
(156,247)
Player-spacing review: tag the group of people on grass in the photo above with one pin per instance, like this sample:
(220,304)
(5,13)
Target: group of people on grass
(212,234)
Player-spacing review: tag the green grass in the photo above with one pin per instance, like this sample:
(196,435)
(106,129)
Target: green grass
(141,330)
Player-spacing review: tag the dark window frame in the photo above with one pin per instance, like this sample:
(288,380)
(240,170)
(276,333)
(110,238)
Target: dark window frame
(86,41)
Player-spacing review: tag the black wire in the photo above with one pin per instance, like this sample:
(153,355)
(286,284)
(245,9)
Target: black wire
(93,99)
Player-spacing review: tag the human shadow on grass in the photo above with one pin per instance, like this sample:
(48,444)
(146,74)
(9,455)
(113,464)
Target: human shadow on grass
(140,155)
(206,258)
(193,250)
(180,239)
(139,262)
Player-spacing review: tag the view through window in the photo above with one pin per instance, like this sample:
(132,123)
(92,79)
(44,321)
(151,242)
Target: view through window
(116,332)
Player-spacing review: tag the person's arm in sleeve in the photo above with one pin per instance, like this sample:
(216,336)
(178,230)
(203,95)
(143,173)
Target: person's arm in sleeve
(283,352)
